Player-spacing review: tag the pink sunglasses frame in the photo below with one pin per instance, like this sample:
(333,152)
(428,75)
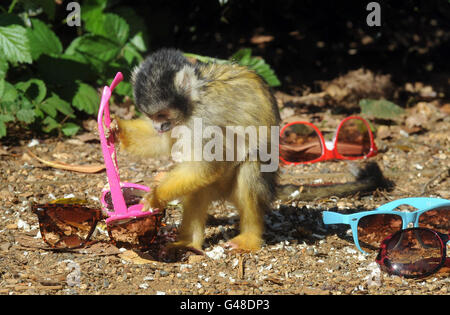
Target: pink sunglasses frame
(330,154)
(121,211)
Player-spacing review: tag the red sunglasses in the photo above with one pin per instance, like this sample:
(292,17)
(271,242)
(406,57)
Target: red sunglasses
(414,253)
(302,142)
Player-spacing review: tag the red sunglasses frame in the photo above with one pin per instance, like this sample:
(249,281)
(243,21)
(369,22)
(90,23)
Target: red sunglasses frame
(328,154)
(383,260)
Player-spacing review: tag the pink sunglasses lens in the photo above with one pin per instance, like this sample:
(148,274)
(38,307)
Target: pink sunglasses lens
(353,139)
(131,195)
(413,253)
(300,143)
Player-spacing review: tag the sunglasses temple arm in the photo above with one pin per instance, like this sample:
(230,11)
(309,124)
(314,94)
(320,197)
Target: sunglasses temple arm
(330,217)
(418,202)
(113,178)
(117,79)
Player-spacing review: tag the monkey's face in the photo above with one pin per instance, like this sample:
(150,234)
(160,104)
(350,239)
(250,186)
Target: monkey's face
(165,120)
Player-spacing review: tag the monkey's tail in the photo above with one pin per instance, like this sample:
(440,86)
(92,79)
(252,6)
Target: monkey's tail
(368,179)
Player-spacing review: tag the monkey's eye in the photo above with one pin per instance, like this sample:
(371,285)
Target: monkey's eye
(160,116)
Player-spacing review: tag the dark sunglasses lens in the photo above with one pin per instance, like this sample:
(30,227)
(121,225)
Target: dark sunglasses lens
(135,233)
(413,252)
(373,229)
(300,143)
(131,195)
(437,219)
(353,139)
(65,226)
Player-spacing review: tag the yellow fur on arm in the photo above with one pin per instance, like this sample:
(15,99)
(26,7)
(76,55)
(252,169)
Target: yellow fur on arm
(187,178)
(139,138)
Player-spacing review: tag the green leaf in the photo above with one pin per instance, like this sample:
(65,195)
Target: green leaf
(86,99)
(2,128)
(48,108)
(243,57)
(110,26)
(14,44)
(92,9)
(3,67)
(95,50)
(124,88)
(25,115)
(131,55)
(6,117)
(139,42)
(381,109)
(70,129)
(9,93)
(34,89)
(206,59)
(50,124)
(2,87)
(60,105)
(137,24)
(42,40)
(242,54)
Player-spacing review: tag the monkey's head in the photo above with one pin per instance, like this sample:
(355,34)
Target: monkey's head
(165,86)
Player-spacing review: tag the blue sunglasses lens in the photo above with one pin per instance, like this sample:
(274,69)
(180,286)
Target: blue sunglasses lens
(373,229)
(436,219)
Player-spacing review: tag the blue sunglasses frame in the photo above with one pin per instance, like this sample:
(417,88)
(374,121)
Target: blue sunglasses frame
(423,204)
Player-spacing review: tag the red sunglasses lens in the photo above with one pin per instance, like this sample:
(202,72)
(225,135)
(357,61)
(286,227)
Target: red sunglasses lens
(353,139)
(436,219)
(65,226)
(300,143)
(413,253)
(372,229)
(135,233)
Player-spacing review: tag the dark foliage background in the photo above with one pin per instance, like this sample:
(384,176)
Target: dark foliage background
(302,41)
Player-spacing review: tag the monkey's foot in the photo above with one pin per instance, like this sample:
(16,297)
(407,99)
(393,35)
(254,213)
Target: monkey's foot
(185,245)
(246,242)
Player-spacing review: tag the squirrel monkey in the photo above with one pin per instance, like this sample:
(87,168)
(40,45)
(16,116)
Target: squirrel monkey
(170,91)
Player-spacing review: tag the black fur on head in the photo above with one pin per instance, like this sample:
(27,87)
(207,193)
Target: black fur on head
(163,80)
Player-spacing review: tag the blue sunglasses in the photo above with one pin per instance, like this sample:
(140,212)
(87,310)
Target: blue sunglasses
(372,227)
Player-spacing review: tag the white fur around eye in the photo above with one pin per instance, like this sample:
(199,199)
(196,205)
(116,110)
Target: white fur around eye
(187,81)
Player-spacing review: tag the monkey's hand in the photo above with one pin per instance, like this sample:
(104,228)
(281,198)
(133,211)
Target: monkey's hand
(112,133)
(151,201)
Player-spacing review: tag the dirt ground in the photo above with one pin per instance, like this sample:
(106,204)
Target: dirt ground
(300,254)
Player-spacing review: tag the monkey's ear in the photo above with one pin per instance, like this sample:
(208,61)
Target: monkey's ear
(187,82)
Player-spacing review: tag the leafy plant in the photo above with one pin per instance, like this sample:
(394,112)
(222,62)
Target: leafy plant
(381,109)
(50,84)
(50,71)
(244,58)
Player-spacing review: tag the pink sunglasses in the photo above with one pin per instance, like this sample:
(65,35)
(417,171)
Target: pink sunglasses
(121,200)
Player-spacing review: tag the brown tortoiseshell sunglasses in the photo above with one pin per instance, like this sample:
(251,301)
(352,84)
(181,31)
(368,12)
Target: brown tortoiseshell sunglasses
(70,226)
